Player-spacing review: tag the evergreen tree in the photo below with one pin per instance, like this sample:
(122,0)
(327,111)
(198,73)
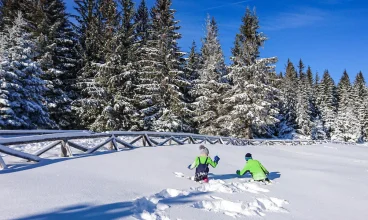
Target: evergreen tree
(208,88)
(250,104)
(169,68)
(318,131)
(118,75)
(32,12)
(50,29)
(142,25)
(193,64)
(360,103)
(301,69)
(248,41)
(347,127)
(364,122)
(58,59)
(343,88)
(327,102)
(305,109)
(288,109)
(147,91)
(21,93)
(317,79)
(95,28)
(8,12)
(310,76)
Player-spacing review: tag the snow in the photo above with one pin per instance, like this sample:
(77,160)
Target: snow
(326,181)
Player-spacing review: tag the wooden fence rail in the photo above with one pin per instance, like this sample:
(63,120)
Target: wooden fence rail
(116,138)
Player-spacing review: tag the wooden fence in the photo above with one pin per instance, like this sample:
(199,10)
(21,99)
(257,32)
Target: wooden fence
(66,139)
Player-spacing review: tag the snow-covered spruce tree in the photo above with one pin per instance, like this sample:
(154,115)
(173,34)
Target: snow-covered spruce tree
(303,103)
(49,26)
(315,116)
(312,91)
(327,102)
(360,103)
(58,58)
(192,66)
(309,75)
(250,104)
(21,92)
(169,66)
(147,91)
(347,127)
(8,12)
(288,107)
(32,12)
(318,131)
(193,63)
(301,67)
(118,75)
(94,36)
(142,23)
(316,80)
(279,81)
(208,89)
(364,122)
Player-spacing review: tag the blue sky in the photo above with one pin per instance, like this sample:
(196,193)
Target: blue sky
(326,34)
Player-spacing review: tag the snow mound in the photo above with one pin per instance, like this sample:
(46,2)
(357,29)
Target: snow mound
(235,209)
(153,207)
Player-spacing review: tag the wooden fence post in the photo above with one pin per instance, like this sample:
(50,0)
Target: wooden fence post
(114,144)
(111,144)
(191,140)
(144,142)
(65,149)
(2,164)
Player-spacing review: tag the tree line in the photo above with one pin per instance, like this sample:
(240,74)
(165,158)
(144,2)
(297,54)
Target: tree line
(118,66)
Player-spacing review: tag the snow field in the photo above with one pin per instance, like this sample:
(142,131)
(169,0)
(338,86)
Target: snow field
(308,183)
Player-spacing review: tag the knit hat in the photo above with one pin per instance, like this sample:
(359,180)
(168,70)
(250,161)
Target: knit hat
(204,150)
(248,156)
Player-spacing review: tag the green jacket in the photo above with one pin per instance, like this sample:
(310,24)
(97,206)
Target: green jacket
(256,169)
(202,159)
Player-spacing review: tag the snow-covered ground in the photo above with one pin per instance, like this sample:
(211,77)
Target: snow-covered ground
(309,182)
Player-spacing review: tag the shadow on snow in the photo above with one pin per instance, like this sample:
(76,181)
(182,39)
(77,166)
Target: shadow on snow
(23,166)
(271,176)
(111,211)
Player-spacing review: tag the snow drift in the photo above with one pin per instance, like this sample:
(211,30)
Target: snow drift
(308,182)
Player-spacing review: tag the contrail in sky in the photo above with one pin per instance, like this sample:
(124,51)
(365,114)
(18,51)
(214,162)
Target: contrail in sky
(221,6)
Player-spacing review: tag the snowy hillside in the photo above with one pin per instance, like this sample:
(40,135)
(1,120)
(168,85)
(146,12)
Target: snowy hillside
(309,182)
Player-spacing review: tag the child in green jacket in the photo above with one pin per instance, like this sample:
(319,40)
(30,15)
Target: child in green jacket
(201,164)
(255,168)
